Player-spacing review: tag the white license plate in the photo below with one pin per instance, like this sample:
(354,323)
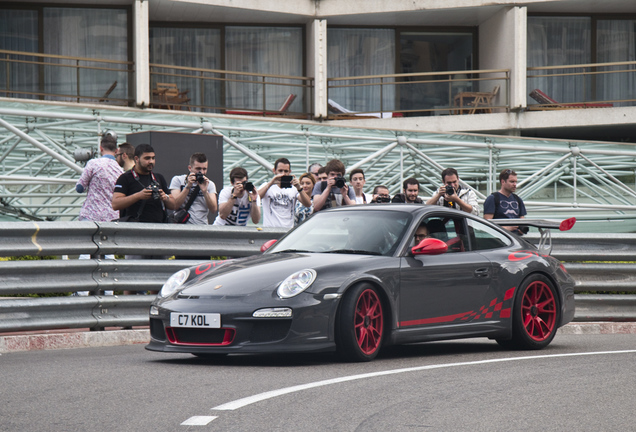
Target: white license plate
(209,320)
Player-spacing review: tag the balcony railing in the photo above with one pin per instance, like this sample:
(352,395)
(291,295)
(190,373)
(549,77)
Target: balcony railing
(64,78)
(594,85)
(232,92)
(420,94)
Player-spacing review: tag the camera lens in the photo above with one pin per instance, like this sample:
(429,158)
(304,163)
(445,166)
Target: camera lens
(450,190)
(340,182)
(200,178)
(248,186)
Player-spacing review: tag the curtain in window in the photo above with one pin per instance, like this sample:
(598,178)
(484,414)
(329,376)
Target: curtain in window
(188,47)
(90,33)
(18,32)
(266,51)
(554,41)
(616,42)
(358,52)
(435,52)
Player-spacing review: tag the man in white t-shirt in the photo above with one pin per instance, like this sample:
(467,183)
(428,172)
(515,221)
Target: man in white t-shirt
(182,186)
(238,201)
(357,180)
(279,196)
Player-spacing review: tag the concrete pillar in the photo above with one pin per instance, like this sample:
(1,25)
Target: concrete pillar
(502,45)
(141,52)
(317,65)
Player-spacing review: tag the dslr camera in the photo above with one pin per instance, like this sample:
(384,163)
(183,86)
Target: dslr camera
(248,186)
(450,190)
(200,178)
(156,190)
(382,199)
(340,182)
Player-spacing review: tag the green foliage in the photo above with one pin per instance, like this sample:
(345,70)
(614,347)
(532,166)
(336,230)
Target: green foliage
(27,258)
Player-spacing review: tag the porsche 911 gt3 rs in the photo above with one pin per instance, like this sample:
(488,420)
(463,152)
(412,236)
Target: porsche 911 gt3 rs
(355,279)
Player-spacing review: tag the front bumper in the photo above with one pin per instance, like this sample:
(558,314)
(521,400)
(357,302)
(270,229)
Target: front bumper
(309,329)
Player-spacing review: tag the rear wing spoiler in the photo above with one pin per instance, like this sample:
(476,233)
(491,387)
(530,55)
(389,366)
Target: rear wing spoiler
(544,225)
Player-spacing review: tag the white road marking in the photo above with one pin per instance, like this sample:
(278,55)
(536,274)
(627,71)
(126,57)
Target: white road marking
(198,421)
(240,403)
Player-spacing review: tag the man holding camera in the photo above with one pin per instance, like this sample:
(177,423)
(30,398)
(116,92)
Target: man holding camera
(381,194)
(411,188)
(141,195)
(333,191)
(279,195)
(195,189)
(238,201)
(452,194)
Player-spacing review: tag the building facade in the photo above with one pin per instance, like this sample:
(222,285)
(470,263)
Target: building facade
(559,68)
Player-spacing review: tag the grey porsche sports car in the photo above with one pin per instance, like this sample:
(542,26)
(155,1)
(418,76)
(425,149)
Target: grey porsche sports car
(355,279)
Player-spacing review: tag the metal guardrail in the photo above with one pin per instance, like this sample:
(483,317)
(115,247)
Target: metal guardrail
(185,241)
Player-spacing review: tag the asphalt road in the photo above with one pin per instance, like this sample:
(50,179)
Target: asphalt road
(579,383)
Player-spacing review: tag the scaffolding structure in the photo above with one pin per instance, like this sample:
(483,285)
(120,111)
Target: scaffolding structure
(39,143)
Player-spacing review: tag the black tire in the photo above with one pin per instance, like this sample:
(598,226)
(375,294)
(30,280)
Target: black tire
(360,324)
(535,315)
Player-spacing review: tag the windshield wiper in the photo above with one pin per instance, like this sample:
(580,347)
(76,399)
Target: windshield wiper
(354,251)
(292,251)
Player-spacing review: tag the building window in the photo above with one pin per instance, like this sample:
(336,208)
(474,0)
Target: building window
(255,50)
(434,52)
(616,42)
(188,47)
(554,41)
(89,33)
(267,51)
(360,52)
(93,33)
(20,33)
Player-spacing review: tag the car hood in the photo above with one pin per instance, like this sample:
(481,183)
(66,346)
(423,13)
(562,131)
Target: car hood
(265,272)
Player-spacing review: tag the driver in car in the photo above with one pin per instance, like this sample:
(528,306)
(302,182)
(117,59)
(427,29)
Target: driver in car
(421,233)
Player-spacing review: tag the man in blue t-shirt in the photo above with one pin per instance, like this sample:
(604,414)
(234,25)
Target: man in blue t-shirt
(505,204)
(334,191)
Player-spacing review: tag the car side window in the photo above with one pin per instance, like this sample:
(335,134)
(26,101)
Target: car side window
(485,237)
(449,230)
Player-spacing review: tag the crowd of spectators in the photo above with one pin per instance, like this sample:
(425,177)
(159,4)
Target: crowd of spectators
(122,185)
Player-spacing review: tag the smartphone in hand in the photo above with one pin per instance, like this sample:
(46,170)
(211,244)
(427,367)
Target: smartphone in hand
(285,182)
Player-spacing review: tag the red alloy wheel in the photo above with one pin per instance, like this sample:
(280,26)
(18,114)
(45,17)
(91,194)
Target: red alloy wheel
(539,311)
(368,321)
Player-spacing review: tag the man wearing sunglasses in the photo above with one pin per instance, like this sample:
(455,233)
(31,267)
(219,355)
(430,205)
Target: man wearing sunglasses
(505,204)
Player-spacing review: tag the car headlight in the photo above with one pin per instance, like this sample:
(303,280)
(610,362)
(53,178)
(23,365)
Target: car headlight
(175,281)
(296,283)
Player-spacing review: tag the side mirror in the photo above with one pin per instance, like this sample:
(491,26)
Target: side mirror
(430,246)
(268,244)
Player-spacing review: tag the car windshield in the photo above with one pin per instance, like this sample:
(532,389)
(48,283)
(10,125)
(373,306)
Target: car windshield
(353,232)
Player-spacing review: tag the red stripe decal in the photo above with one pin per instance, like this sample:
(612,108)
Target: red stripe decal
(436,320)
(509,294)
(504,313)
